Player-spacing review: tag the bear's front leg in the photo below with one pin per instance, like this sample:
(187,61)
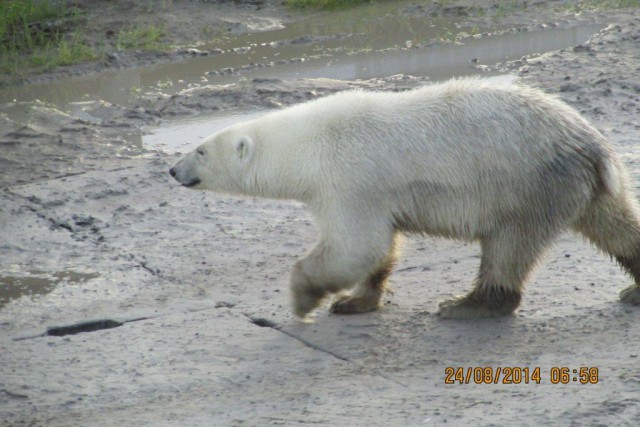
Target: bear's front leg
(305,294)
(367,295)
(330,269)
(319,274)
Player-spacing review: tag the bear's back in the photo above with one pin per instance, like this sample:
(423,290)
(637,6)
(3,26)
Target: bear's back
(463,145)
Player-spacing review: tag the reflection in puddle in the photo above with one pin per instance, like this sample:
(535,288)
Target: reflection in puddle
(438,62)
(367,28)
(366,42)
(441,62)
(37,283)
(375,40)
(184,135)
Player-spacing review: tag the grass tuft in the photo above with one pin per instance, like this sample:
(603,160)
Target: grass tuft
(40,35)
(28,24)
(74,51)
(143,38)
(34,36)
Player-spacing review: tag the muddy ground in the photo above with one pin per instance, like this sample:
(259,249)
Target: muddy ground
(194,285)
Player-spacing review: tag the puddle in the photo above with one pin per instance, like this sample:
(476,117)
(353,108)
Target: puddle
(369,27)
(37,283)
(361,43)
(184,135)
(438,62)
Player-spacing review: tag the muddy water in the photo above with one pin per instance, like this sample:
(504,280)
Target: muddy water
(383,48)
(438,62)
(34,283)
(336,34)
(184,134)
(372,41)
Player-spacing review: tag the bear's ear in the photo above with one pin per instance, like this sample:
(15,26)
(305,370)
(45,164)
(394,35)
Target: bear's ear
(244,148)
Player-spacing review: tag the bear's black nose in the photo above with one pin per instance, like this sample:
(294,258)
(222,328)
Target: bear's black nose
(172,172)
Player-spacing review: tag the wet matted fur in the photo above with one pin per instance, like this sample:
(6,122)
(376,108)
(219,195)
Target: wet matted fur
(499,163)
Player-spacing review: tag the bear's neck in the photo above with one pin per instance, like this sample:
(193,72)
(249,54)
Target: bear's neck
(284,166)
(280,177)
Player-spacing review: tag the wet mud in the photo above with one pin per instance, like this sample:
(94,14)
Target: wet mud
(183,295)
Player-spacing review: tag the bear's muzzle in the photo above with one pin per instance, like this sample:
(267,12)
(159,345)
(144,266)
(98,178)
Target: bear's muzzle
(192,182)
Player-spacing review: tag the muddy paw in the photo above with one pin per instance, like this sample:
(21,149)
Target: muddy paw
(630,295)
(349,304)
(463,307)
(305,300)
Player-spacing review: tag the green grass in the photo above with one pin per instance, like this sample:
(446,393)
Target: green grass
(74,51)
(34,36)
(46,58)
(144,38)
(40,35)
(324,4)
(28,24)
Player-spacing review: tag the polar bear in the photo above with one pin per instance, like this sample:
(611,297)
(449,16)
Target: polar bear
(499,163)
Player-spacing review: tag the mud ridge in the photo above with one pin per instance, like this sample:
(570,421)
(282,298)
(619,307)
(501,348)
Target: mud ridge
(266,323)
(81,227)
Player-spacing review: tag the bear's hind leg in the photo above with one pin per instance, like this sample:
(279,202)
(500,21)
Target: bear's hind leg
(368,293)
(612,224)
(507,258)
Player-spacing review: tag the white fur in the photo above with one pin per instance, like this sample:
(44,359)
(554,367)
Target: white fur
(472,159)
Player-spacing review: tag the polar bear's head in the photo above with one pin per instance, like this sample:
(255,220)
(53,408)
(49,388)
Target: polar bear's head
(220,163)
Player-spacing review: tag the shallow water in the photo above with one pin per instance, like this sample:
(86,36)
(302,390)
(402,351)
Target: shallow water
(332,35)
(183,135)
(361,43)
(438,62)
(366,42)
(34,283)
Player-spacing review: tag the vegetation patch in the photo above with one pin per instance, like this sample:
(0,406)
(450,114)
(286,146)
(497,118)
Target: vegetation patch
(40,35)
(27,24)
(36,35)
(143,38)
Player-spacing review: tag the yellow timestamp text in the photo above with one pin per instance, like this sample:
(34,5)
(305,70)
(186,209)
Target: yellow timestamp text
(520,375)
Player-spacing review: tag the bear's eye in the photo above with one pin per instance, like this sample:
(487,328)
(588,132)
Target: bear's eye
(200,151)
